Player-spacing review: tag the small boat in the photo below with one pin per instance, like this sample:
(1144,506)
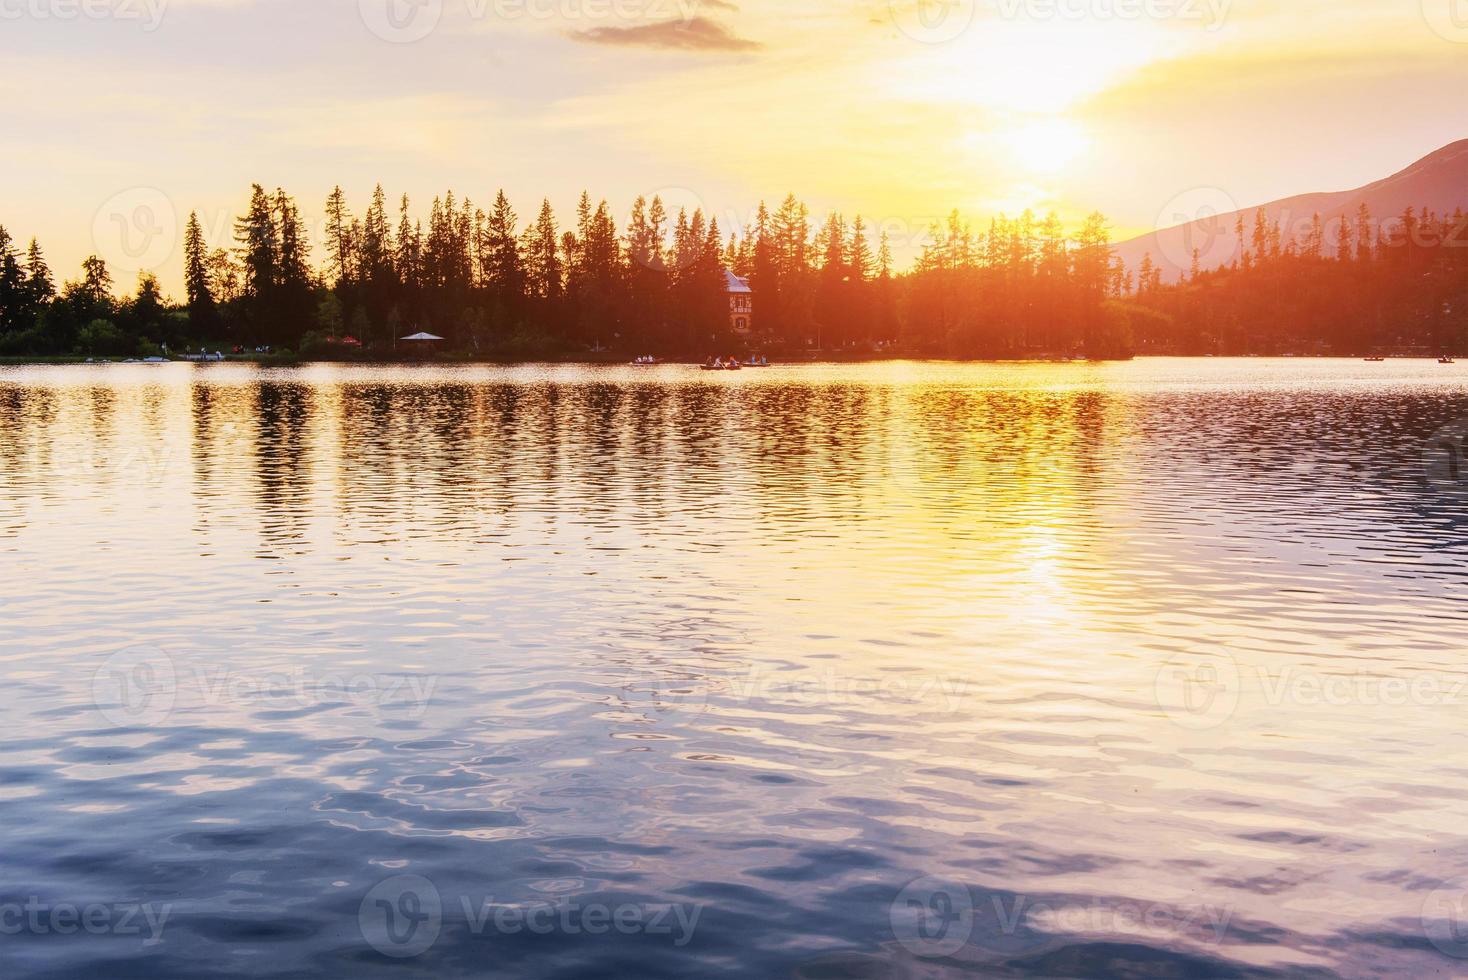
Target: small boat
(1375,360)
(1446,360)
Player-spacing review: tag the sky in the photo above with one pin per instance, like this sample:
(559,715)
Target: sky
(119,117)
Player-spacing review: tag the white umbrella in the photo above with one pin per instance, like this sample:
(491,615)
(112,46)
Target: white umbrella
(423,336)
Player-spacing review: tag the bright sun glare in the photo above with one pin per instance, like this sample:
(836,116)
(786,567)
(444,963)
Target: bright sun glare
(1046,146)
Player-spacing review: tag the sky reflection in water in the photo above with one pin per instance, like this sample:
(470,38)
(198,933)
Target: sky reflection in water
(873,670)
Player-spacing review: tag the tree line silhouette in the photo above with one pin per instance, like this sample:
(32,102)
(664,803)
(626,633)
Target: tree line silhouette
(492,286)
(1353,285)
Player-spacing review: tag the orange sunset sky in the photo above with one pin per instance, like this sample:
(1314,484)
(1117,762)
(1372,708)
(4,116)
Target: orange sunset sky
(900,111)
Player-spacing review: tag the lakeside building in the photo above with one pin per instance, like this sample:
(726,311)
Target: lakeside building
(741,303)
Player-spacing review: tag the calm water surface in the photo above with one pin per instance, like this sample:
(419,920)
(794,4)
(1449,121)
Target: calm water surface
(901,670)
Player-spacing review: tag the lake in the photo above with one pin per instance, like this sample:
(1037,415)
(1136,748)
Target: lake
(883,670)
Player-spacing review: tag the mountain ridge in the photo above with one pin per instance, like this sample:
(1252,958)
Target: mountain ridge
(1437,181)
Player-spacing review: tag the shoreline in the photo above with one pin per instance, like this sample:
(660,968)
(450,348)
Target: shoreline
(620,360)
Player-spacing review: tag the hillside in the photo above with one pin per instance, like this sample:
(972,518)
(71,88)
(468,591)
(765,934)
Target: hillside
(1438,182)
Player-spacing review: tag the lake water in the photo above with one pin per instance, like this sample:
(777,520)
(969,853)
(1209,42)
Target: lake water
(895,670)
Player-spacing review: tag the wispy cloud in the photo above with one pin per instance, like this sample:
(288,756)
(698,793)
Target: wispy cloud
(693,34)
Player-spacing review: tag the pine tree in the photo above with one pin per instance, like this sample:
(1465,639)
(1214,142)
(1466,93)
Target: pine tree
(1144,274)
(791,227)
(338,239)
(375,253)
(743,264)
(146,309)
(96,282)
(1261,236)
(501,257)
(1365,235)
(681,254)
(42,285)
(256,237)
(764,275)
(1093,255)
(15,311)
(886,324)
(407,263)
(224,276)
(293,301)
(859,252)
(832,313)
(1315,238)
(542,256)
(203,312)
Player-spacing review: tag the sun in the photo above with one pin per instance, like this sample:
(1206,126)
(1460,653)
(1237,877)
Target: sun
(1026,66)
(1046,146)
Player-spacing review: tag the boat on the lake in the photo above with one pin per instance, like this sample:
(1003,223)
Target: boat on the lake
(1445,359)
(1375,360)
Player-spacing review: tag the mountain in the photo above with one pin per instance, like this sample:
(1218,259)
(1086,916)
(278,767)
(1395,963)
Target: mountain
(1438,182)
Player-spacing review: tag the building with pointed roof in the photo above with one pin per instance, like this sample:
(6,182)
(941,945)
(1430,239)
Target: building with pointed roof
(741,303)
